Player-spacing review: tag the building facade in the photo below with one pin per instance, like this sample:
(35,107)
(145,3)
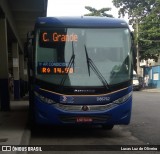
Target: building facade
(151,71)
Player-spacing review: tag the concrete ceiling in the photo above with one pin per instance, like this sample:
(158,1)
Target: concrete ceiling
(21,16)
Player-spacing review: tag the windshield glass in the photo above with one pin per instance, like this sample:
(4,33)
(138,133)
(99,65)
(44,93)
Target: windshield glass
(63,54)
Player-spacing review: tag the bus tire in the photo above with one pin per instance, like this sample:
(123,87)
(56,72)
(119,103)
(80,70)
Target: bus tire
(31,119)
(107,127)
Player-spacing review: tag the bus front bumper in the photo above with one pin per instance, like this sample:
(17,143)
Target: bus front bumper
(50,114)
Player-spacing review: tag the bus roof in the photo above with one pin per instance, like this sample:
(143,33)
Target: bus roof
(84,21)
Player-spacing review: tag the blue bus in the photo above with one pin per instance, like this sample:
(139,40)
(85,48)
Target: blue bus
(80,71)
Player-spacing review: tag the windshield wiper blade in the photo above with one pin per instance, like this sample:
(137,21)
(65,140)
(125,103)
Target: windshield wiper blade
(71,62)
(88,60)
(91,64)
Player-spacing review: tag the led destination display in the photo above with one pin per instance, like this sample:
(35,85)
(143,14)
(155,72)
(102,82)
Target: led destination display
(58,37)
(54,70)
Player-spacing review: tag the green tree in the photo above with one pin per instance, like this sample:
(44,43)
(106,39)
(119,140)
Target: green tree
(100,12)
(145,13)
(135,8)
(149,37)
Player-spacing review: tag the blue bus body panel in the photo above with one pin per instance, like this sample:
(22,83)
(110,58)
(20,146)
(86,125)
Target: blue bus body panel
(75,22)
(51,114)
(119,114)
(83,99)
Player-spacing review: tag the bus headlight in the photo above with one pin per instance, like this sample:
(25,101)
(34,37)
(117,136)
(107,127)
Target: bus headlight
(44,99)
(122,99)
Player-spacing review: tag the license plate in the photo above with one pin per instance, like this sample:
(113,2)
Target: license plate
(83,119)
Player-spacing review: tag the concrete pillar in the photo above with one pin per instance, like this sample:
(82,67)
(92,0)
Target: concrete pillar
(15,54)
(4,80)
(25,76)
(21,72)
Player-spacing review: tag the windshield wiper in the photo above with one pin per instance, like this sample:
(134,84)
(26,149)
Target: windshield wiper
(91,64)
(71,62)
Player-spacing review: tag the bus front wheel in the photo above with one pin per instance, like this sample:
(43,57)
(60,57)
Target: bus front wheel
(107,127)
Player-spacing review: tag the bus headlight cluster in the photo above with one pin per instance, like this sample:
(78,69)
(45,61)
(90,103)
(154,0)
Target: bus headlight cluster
(122,99)
(45,99)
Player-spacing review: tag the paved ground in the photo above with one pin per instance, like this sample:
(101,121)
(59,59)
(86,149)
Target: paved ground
(13,124)
(151,90)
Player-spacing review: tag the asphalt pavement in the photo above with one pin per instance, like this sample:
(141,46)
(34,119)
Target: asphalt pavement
(151,89)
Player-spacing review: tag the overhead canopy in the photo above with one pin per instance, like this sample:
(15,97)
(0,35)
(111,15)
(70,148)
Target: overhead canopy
(21,16)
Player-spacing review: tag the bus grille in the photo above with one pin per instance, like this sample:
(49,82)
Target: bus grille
(79,108)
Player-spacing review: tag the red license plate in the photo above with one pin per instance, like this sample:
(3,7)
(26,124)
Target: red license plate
(83,119)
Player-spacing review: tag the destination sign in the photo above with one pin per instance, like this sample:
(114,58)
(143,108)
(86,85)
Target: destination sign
(58,37)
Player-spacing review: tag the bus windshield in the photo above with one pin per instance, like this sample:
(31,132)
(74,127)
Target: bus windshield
(64,56)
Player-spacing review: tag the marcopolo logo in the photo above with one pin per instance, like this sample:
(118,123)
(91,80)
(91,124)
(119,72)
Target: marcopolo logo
(84,91)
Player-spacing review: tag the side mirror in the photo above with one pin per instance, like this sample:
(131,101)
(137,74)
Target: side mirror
(28,44)
(25,50)
(132,37)
(133,48)
(30,35)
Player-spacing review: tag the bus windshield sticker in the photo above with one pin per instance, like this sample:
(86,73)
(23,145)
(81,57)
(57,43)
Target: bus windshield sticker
(52,64)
